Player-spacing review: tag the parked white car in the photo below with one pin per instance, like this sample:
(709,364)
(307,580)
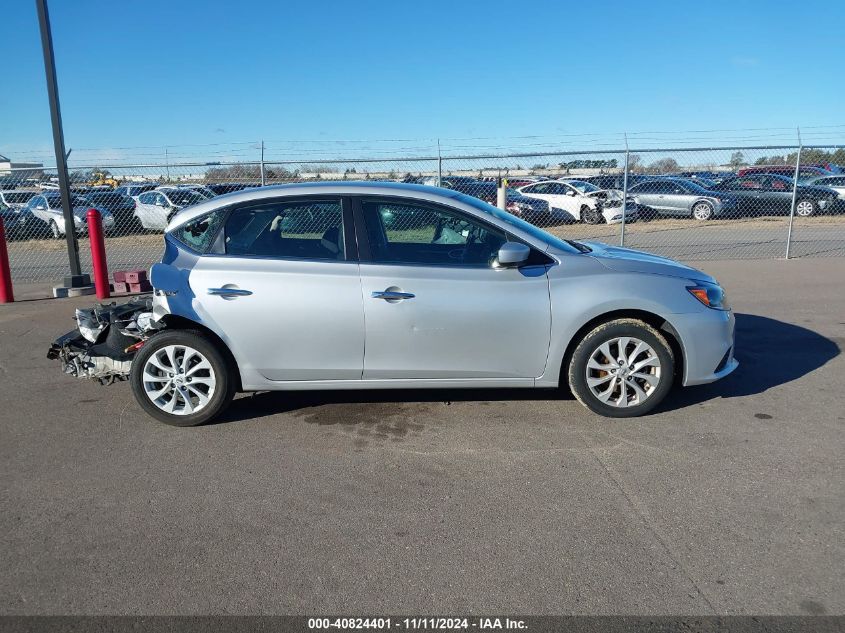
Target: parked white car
(154,209)
(204,191)
(15,199)
(47,207)
(835,182)
(579,201)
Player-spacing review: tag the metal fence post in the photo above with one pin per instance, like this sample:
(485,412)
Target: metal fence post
(624,194)
(59,144)
(439,164)
(262,164)
(794,196)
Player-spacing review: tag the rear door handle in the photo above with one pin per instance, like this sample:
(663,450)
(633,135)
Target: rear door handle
(229,292)
(392,295)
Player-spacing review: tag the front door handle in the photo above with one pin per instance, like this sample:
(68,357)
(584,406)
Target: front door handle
(229,293)
(392,295)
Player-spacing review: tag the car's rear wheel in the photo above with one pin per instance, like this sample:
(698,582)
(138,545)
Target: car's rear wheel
(622,368)
(181,378)
(54,230)
(805,208)
(702,211)
(590,215)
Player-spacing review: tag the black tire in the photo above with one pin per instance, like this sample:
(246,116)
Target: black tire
(702,211)
(224,389)
(808,204)
(608,332)
(590,216)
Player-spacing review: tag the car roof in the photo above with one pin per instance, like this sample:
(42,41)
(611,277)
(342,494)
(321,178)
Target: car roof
(346,187)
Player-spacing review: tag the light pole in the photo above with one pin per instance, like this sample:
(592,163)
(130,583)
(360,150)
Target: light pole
(76,277)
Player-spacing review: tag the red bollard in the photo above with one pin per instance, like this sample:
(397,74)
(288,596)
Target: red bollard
(98,253)
(6,294)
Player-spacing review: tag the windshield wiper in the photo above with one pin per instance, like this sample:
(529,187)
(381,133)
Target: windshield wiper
(579,246)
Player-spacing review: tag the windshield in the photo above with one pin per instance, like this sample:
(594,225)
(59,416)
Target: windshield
(694,186)
(583,187)
(105,198)
(55,202)
(18,197)
(184,197)
(514,221)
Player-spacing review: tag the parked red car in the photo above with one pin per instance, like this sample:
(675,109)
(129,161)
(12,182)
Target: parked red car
(805,172)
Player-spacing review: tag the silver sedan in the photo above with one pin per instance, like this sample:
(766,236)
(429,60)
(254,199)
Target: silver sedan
(47,207)
(385,286)
(682,197)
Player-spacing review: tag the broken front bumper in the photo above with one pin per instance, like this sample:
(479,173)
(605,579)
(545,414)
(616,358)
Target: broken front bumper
(105,340)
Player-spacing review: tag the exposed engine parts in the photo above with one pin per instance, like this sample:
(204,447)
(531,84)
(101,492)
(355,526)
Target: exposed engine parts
(106,339)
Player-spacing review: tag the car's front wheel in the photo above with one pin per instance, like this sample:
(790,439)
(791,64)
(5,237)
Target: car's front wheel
(590,215)
(622,368)
(702,211)
(181,378)
(805,208)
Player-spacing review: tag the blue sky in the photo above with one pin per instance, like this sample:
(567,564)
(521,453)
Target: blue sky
(189,72)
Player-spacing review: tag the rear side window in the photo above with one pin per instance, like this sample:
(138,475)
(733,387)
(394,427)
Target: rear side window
(199,233)
(311,229)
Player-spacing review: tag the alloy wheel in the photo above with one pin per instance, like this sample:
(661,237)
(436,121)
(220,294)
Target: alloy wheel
(179,380)
(623,371)
(702,211)
(804,208)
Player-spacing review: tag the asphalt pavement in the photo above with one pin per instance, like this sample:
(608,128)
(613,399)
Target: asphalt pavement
(729,500)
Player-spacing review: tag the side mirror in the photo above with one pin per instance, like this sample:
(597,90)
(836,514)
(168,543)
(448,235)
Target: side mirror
(571,193)
(512,254)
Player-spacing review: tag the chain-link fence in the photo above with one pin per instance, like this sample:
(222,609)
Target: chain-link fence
(689,204)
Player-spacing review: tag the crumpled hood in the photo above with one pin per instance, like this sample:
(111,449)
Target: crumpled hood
(629,260)
(609,194)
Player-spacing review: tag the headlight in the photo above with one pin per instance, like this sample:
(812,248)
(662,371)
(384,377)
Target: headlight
(711,295)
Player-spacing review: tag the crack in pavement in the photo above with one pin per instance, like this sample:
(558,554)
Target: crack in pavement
(641,511)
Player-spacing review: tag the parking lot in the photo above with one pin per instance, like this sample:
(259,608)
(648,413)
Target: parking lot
(727,500)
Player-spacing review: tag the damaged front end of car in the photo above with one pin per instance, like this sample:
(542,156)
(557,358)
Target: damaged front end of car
(106,339)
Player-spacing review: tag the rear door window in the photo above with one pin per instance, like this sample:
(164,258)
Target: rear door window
(310,229)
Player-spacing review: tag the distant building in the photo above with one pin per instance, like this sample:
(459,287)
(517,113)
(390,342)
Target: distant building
(20,170)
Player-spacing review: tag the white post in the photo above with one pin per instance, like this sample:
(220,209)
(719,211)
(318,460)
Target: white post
(794,196)
(624,194)
(262,164)
(439,164)
(502,194)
